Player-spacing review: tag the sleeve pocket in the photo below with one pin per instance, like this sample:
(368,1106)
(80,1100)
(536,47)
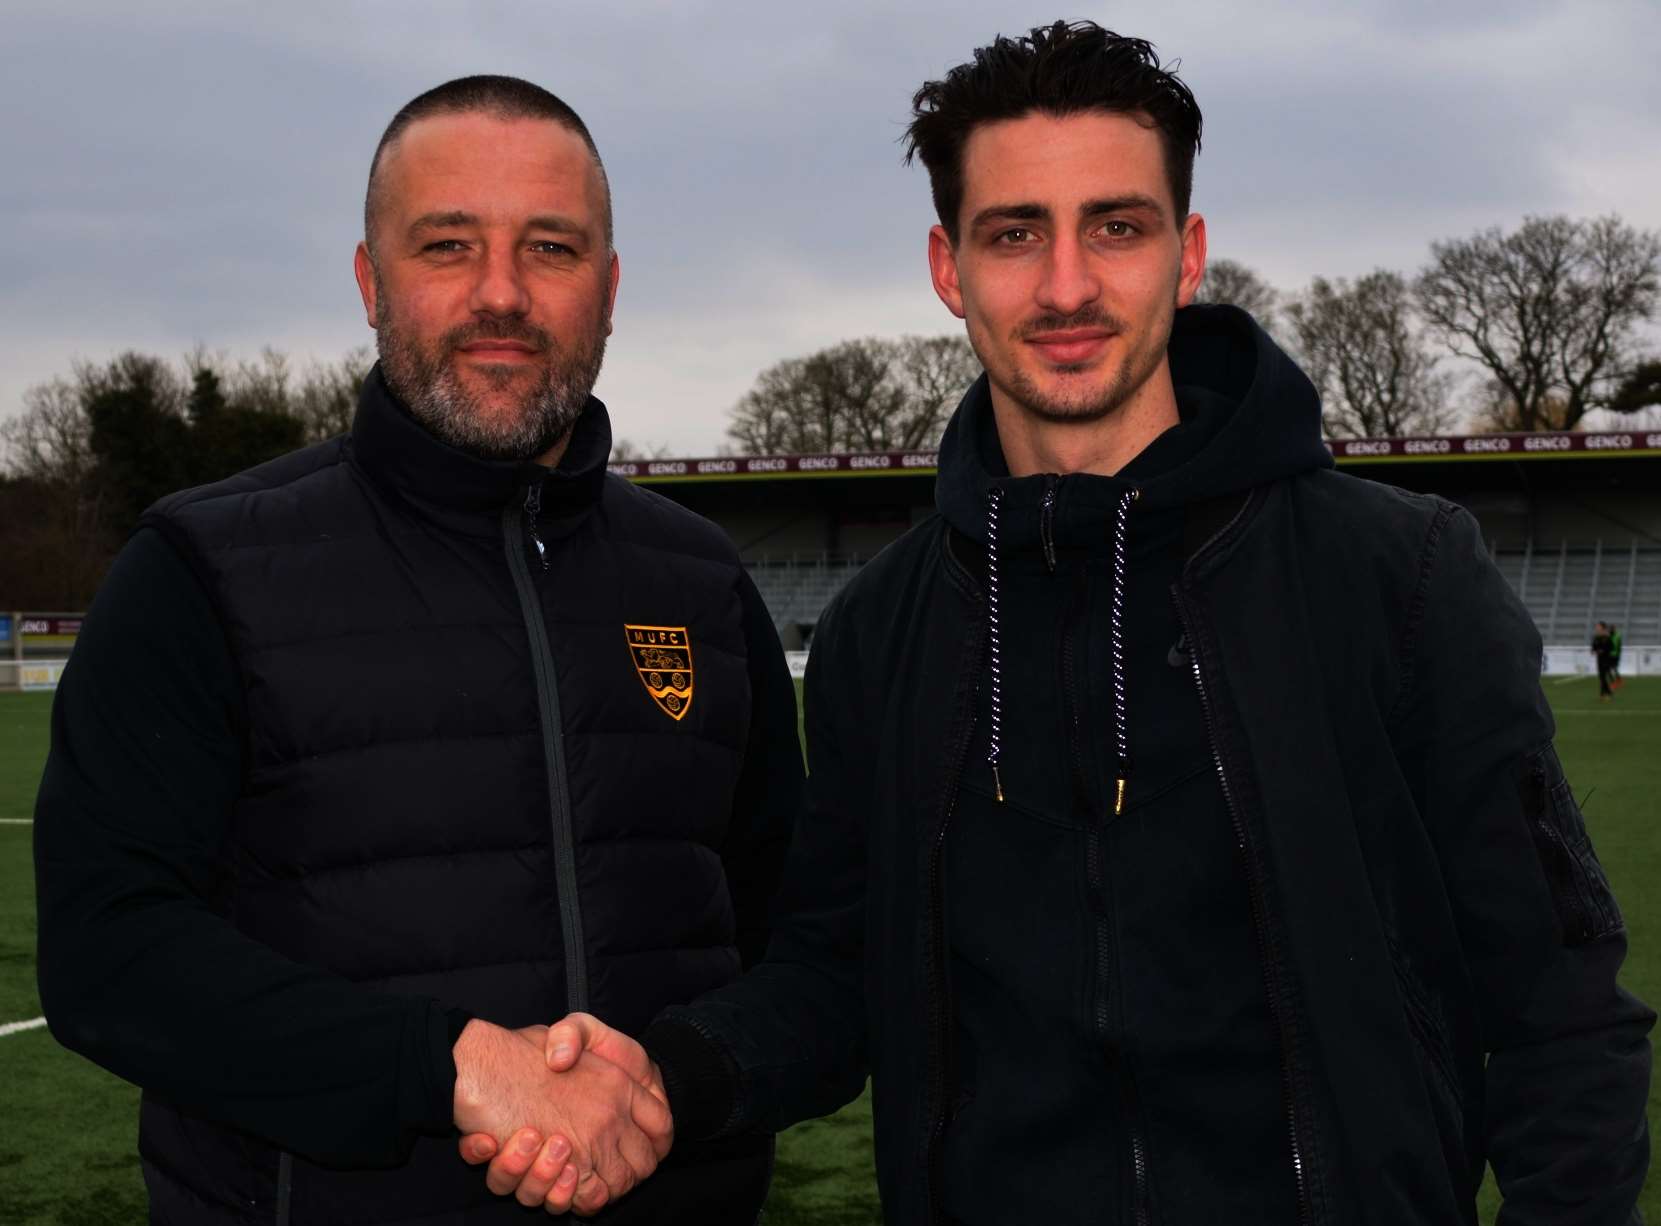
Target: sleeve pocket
(1579,889)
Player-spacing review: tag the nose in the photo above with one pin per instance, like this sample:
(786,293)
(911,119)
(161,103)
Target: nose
(1070,280)
(500,287)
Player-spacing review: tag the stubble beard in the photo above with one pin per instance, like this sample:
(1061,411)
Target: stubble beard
(1088,403)
(425,378)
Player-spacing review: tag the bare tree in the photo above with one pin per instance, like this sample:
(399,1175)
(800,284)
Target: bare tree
(57,555)
(326,397)
(262,386)
(861,395)
(628,449)
(1367,355)
(1238,285)
(937,370)
(51,439)
(91,449)
(1550,311)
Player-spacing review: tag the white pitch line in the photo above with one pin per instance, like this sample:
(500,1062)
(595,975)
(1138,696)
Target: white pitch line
(19,1027)
(17,821)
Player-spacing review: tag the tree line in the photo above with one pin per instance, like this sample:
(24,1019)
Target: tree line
(92,449)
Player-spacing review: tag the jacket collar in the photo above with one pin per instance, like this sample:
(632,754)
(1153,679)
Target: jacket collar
(1249,416)
(462,491)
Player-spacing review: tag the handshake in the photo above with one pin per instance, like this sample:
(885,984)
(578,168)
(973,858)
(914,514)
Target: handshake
(569,1116)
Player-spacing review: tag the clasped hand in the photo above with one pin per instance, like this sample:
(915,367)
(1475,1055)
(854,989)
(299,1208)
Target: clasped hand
(569,1116)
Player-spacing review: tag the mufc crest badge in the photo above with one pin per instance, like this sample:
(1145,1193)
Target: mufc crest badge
(663,658)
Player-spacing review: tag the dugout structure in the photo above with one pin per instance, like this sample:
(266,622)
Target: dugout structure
(1572,519)
(33,648)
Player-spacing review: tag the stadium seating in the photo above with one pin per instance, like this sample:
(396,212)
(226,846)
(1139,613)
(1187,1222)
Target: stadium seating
(1568,587)
(1565,587)
(798,588)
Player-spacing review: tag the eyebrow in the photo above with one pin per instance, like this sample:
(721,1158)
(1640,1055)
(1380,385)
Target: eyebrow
(1130,202)
(442,221)
(556,222)
(1009,212)
(456,217)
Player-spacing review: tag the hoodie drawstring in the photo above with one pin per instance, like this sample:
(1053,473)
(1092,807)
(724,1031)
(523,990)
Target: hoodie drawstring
(1116,640)
(994,750)
(1116,637)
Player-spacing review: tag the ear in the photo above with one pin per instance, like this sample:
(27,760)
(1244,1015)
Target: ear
(943,270)
(611,289)
(363,268)
(1193,258)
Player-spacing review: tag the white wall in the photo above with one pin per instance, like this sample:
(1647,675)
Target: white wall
(1577,660)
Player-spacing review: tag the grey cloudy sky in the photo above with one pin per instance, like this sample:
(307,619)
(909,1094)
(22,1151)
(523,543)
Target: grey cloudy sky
(183,174)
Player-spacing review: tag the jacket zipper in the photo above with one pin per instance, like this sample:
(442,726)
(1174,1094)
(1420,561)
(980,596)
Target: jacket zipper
(285,1187)
(937,1008)
(553,740)
(1046,519)
(1138,1160)
(1132,1108)
(1096,864)
(1271,977)
(934,1153)
(533,508)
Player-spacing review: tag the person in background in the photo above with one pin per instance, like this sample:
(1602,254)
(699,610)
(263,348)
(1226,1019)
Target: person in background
(1605,653)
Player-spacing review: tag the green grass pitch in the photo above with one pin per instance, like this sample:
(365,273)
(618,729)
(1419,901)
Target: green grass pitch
(68,1129)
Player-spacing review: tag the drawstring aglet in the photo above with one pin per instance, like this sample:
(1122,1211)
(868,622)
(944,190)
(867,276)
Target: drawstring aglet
(1118,796)
(998,783)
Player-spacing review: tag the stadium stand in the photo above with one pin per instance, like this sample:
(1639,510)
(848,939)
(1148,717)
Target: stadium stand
(1565,587)
(1568,587)
(1573,519)
(797,589)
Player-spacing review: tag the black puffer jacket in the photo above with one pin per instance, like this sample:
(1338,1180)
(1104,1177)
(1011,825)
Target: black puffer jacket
(1389,894)
(379,736)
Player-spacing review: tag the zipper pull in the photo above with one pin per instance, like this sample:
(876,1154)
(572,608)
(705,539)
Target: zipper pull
(533,508)
(1046,519)
(1119,783)
(997,781)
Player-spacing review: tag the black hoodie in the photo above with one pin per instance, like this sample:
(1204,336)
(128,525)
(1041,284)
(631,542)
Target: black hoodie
(1346,940)
(1114,931)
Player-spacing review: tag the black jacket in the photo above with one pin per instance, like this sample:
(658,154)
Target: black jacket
(377,737)
(1432,944)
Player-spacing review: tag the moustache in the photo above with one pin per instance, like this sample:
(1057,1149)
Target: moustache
(498,330)
(1085,317)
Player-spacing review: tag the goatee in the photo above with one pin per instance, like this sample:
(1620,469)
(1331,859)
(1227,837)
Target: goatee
(427,381)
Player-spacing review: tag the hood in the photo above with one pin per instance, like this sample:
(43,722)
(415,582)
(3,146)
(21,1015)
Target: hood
(1249,416)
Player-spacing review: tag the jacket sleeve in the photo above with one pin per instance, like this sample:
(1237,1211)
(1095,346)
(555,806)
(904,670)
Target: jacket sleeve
(786,1042)
(1568,1055)
(769,792)
(140,968)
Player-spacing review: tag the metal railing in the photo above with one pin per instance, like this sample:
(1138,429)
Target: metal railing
(1568,588)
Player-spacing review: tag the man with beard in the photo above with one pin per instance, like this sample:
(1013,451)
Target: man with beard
(1168,854)
(375,757)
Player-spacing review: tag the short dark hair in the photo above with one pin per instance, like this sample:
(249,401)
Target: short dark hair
(1060,69)
(501,97)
